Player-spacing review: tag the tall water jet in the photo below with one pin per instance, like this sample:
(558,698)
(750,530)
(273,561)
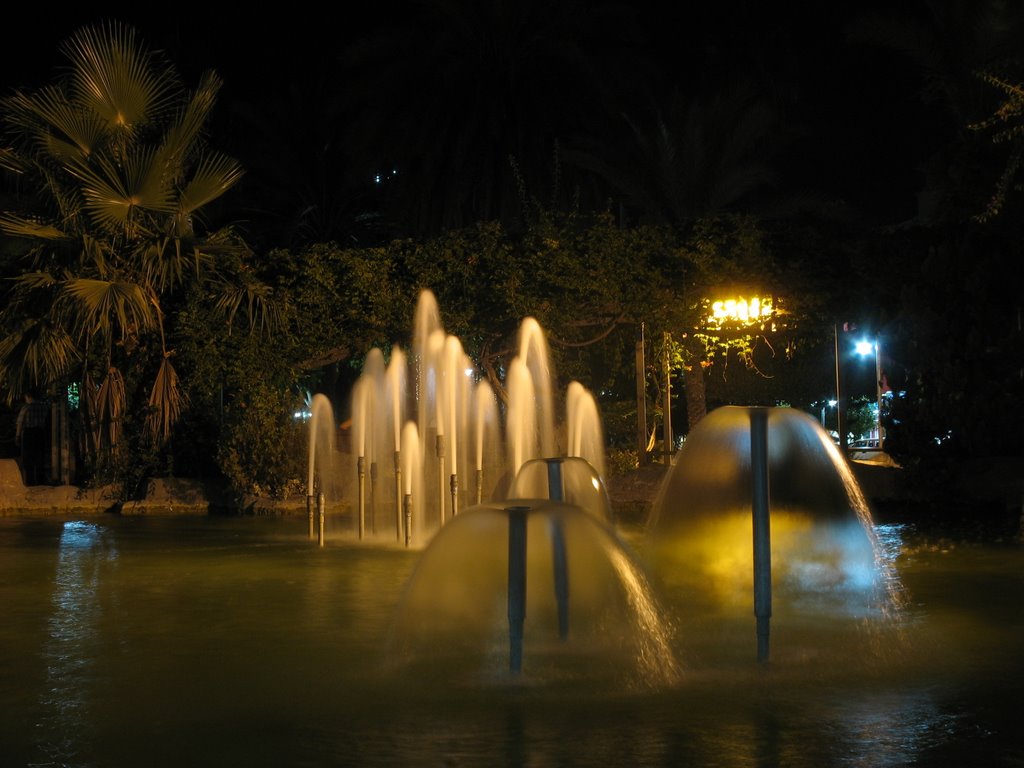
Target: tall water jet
(432,395)
(533,352)
(426,323)
(521,421)
(487,438)
(585,437)
(376,412)
(412,476)
(362,395)
(321,451)
(454,399)
(459,424)
(395,397)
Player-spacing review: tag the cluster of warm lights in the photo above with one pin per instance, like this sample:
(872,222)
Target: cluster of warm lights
(741,310)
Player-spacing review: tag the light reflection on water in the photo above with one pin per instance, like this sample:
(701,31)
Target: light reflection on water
(235,641)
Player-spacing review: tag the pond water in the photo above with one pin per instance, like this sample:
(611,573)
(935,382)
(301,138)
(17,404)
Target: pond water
(199,641)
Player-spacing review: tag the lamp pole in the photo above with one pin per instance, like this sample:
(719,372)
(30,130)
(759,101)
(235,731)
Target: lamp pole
(839,397)
(878,392)
(863,348)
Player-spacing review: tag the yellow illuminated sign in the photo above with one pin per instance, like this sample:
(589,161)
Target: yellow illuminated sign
(741,310)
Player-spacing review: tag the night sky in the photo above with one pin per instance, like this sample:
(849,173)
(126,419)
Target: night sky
(863,130)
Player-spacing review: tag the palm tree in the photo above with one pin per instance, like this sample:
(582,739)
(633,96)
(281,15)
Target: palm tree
(112,170)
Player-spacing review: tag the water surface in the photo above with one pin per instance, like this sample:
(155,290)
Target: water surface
(236,641)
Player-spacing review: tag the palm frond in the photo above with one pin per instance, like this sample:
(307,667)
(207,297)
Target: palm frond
(104,303)
(262,312)
(33,280)
(39,351)
(109,406)
(95,254)
(214,176)
(187,130)
(166,402)
(19,226)
(13,161)
(114,76)
(114,191)
(162,265)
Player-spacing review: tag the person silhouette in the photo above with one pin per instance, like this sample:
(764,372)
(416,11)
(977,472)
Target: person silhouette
(31,435)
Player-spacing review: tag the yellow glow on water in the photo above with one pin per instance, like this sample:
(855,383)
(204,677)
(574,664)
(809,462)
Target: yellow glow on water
(808,557)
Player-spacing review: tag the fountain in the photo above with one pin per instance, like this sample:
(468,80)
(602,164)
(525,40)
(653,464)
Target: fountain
(531,586)
(465,454)
(759,501)
(527,628)
(758,510)
(544,518)
(321,460)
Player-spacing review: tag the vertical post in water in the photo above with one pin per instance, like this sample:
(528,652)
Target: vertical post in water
(373,497)
(762,528)
(309,512)
(361,471)
(408,519)
(479,486)
(556,492)
(439,446)
(398,495)
(321,504)
(516,585)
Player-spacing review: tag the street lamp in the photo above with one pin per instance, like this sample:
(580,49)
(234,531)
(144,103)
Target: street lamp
(828,404)
(865,348)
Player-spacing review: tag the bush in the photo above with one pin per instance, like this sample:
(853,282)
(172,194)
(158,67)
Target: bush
(263,448)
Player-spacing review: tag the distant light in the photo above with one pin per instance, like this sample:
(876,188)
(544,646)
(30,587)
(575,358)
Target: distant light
(469,372)
(865,347)
(833,403)
(302,415)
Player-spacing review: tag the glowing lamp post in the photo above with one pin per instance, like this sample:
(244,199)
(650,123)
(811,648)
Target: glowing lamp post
(865,348)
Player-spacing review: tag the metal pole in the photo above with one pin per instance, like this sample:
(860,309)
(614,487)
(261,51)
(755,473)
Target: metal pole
(309,512)
(667,408)
(439,446)
(361,471)
(641,401)
(479,486)
(321,505)
(839,396)
(408,519)
(398,496)
(556,492)
(453,483)
(878,393)
(373,497)
(762,528)
(516,585)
